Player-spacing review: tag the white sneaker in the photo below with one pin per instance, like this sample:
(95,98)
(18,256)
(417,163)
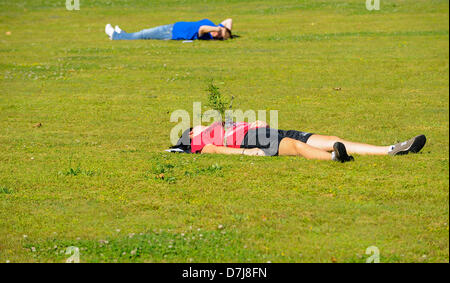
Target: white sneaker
(117,29)
(109,30)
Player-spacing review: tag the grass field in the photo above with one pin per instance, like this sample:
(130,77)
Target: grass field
(88,176)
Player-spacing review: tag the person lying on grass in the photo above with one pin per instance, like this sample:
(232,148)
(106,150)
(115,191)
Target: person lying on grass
(204,29)
(258,139)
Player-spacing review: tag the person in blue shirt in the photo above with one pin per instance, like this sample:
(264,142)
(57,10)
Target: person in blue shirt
(204,30)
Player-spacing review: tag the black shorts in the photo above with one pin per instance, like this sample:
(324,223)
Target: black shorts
(269,139)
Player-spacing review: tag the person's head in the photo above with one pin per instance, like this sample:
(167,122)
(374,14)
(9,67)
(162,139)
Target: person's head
(184,142)
(194,139)
(223,34)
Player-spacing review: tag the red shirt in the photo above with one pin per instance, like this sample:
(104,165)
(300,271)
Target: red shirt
(215,134)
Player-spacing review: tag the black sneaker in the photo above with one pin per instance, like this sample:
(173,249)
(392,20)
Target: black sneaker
(413,145)
(340,153)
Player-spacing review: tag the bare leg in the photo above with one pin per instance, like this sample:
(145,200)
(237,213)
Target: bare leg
(297,148)
(327,142)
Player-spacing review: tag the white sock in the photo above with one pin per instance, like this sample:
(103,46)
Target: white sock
(109,30)
(117,29)
(391,148)
(333,156)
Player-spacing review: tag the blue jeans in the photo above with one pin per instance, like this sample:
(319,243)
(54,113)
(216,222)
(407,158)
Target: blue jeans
(161,32)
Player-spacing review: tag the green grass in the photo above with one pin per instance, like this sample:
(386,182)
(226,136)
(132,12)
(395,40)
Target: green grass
(92,172)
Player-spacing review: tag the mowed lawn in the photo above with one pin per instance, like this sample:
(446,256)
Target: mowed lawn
(88,177)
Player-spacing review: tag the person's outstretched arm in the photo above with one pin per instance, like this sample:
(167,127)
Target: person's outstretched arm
(212,149)
(206,29)
(228,23)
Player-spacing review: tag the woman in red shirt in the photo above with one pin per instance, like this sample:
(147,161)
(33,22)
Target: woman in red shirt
(259,139)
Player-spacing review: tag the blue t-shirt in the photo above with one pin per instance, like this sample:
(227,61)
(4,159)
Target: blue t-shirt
(189,30)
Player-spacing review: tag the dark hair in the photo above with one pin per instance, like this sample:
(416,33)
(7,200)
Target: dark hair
(229,31)
(184,143)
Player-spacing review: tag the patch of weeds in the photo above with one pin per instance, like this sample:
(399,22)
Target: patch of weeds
(5,190)
(166,172)
(167,179)
(129,150)
(162,168)
(192,246)
(161,171)
(214,169)
(78,171)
